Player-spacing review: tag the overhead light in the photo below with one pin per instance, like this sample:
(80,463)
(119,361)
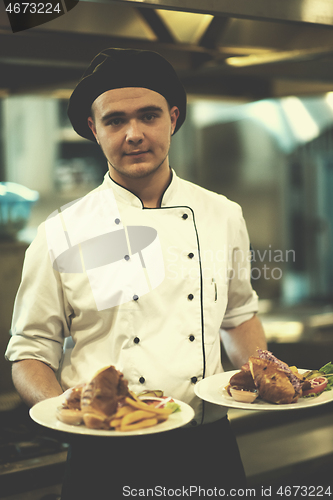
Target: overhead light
(329,99)
(236,51)
(254,59)
(301,122)
(276,57)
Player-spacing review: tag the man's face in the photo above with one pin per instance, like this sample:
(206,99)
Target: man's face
(133,126)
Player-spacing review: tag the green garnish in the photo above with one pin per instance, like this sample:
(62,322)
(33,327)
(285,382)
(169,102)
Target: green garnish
(327,369)
(173,406)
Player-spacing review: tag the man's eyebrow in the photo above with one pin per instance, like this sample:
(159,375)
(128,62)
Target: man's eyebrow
(148,109)
(112,114)
(118,114)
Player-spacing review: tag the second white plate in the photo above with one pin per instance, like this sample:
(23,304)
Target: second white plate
(212,389)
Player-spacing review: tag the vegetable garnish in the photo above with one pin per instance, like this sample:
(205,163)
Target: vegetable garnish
(327,371)
(321,380)
(150,398)
(318,385)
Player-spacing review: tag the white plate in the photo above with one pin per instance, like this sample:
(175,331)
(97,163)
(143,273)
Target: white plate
(212,389)
(44,413)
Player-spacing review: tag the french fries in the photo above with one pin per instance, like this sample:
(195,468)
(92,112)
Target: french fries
(136,414)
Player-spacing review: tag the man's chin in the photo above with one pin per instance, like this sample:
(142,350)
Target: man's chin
(135,171)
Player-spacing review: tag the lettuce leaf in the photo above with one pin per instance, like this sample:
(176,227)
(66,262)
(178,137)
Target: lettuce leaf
(173,406)
(327,369)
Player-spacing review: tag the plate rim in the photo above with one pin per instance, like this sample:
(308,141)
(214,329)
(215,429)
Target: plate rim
(264,406)
(51,404)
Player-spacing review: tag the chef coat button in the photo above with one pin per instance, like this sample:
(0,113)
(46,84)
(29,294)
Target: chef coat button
(185,216)
(117,221)
(136,340)
(127,257)
(190,255)
(194,380)
(190,296)
(142,380)
(135,297)
(191,337)
(193,423)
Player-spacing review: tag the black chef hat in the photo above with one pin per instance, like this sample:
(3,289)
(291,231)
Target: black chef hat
(118,68)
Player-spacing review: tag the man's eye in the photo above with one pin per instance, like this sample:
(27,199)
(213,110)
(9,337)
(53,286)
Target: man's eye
(115,122)
(149,117)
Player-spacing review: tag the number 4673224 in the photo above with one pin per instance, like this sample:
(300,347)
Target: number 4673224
(33,8)
(304,491)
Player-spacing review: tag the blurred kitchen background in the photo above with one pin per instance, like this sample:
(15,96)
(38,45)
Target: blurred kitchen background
(259,77)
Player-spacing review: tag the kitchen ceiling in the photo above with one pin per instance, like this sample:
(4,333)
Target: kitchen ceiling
(250,50)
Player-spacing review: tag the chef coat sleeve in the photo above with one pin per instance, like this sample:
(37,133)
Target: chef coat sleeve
(40,320)
(242,299)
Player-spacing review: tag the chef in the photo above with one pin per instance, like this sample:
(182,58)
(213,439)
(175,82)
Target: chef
(148,272)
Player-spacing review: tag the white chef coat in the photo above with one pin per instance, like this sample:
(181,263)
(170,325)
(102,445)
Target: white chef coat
(109,282)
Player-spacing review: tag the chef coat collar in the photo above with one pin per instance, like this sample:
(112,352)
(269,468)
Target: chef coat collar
(134,200)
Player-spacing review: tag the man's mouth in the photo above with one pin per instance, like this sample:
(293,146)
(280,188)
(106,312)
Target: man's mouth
(136,153)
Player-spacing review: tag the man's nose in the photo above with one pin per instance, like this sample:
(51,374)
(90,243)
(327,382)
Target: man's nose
(134,132)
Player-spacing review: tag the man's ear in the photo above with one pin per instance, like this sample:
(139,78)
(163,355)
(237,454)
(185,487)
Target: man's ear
(91,125)
(174,114)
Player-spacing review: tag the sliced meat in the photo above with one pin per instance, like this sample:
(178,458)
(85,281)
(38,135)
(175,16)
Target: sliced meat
(100,397)
(295,381)
(242,379)
(272,382)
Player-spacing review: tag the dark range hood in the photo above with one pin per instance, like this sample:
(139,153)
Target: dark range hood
(248,49)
